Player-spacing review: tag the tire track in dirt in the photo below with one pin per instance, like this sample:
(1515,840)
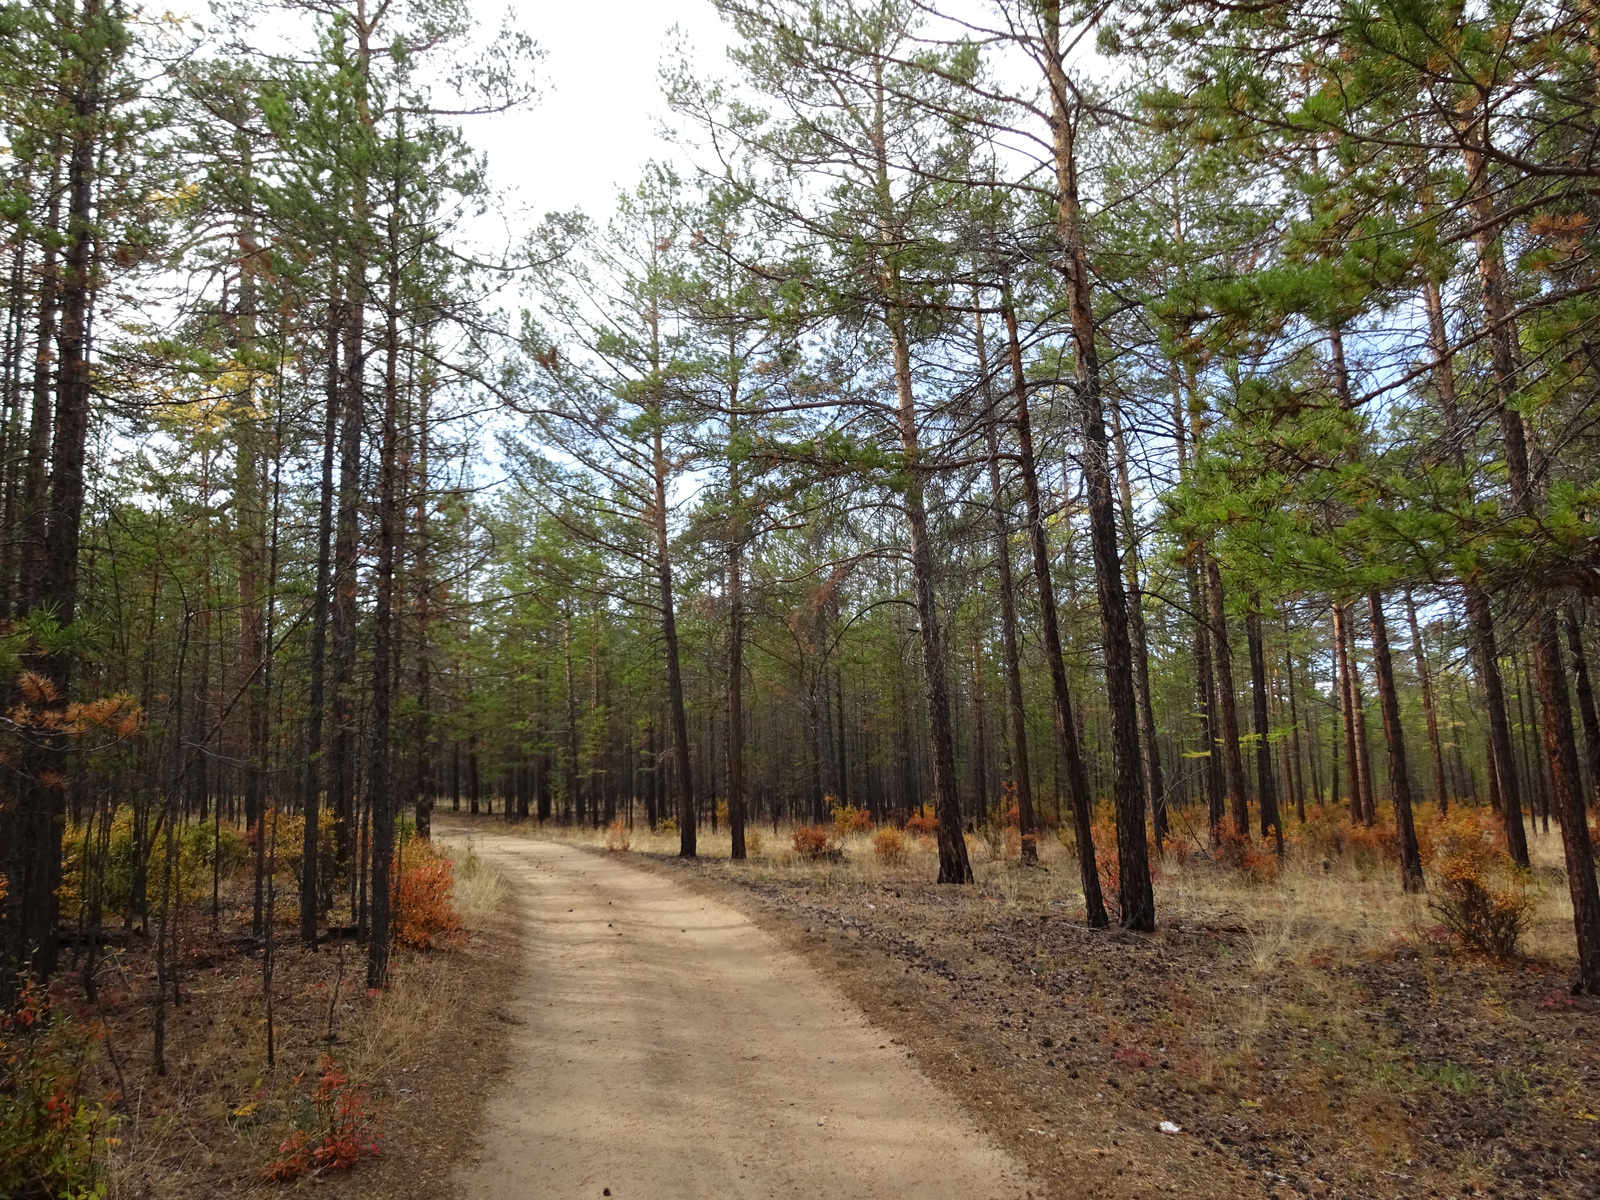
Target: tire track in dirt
(662,1045)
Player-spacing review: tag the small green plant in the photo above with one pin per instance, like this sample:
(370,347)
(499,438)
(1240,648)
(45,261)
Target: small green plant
(667,825)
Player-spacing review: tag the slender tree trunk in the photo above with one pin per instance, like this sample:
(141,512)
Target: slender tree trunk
(379,785)
(687,813)
(735,749)
(1503,789)
(1425,683)
(1294,735)
(1136,892)
(980,737)
(425,750)
(311,785)
(1347,715)
(1155,787)
(1586,704)
(32,906)
(1232,756)
(1008,613)
(954,866)
(1561,748)
(33,578)
(1061,707)
(1556,713)
(341,759)
(574,799)
(1394,738)
(1369,812)
(1266,784)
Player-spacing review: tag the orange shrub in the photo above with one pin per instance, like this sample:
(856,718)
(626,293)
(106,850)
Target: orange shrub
(891,847)
(1480,916)
(1234,849)
(423,905)
(1110,866)
(848,819)
(817,843)
(617,835)
(923,824)
(1474,833)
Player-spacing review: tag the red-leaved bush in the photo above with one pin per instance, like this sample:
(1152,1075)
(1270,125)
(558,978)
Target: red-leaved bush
(817,843)
(424,909)
(342,1135)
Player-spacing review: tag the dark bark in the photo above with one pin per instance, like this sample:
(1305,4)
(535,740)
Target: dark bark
(311,784)
(954,866)
(1021,769)
(1441,794)
(687,813)
(1347,716)
(1266,783)
(379,786)
(1504,793)
(1136,893)
(735,748)
(38,824)
(1561,748)
(33,581)
(1232,754)
(1394,738)
(1061,697)
(1560,742)
(1149,747)
(1586,704)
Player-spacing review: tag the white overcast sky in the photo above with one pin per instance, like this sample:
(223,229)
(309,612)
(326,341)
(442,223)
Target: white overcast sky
(595,123)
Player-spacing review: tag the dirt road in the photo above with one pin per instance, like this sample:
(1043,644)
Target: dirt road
(664,1046)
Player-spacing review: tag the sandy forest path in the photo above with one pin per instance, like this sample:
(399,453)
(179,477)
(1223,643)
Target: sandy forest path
(662,1045)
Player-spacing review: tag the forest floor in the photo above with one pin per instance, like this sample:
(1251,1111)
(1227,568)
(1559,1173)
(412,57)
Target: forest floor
(416,1056)
(1315,1036)
(663,1045)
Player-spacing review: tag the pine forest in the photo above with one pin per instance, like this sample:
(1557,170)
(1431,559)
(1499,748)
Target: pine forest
(1074,526)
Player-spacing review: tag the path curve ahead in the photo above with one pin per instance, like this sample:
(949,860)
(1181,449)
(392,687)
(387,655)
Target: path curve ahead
(665,1046)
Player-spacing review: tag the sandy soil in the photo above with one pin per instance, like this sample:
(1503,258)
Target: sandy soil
(663,1045)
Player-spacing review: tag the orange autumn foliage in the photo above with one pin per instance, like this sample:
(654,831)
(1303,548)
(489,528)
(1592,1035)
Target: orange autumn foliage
(341,1131)
(424,908)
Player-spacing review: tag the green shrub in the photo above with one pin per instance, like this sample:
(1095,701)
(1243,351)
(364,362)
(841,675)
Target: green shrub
(198,845)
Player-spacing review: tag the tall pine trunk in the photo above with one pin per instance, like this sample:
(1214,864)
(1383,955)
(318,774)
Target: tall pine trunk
(1021,769)
(316,701)
(1227,700)
(1136,893)
(954,866)
(1394,738)
(1061,707)
(1560,739)
(1419,655)
(1154,785)
(1266,783)
(379,787)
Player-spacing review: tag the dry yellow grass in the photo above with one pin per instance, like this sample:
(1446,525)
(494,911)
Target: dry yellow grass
(1317,905)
